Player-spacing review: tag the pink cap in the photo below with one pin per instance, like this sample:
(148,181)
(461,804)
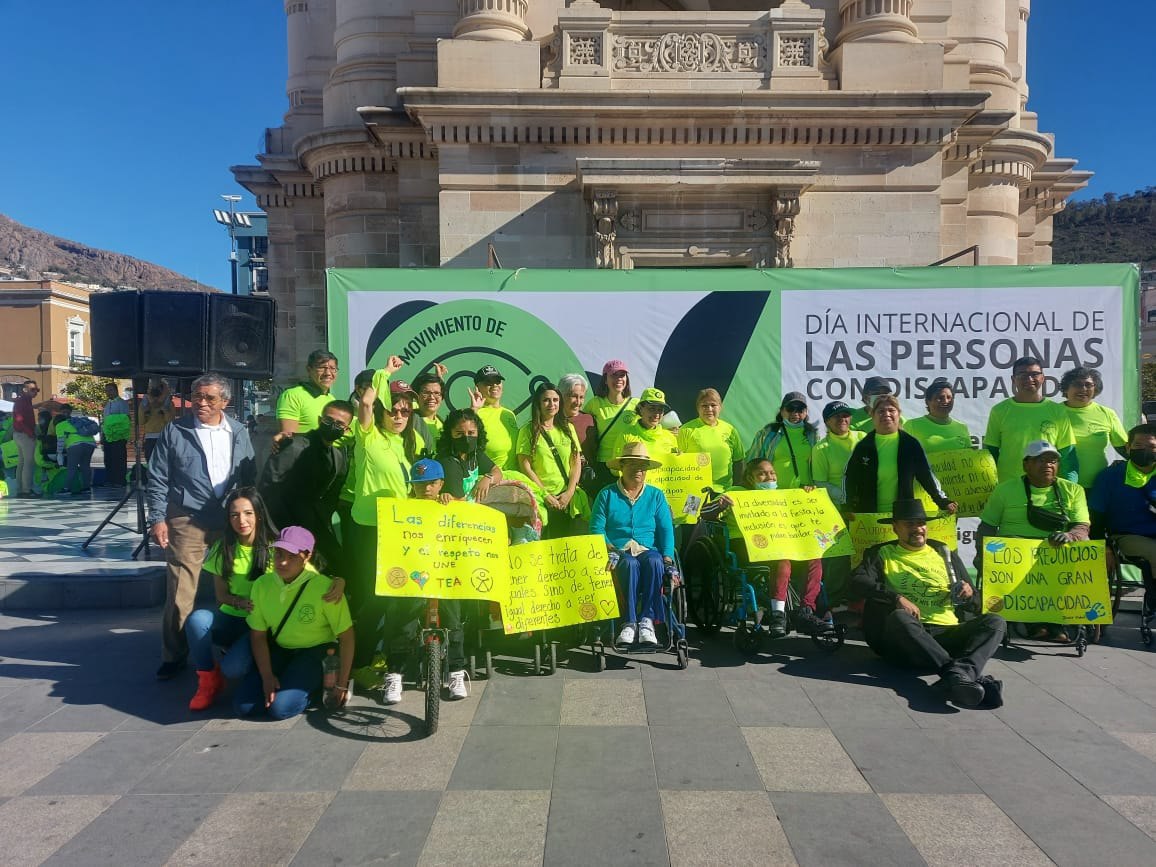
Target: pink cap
(613,366)
(295,540)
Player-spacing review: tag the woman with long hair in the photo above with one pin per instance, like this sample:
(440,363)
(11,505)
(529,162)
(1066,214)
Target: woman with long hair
(549,454)
(612,408)
(469,471)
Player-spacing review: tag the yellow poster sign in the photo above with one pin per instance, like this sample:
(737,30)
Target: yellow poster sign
(428,550)
(968,476)
(789,525)
(682,478)
(866,531)
(1032,581)
(562,582)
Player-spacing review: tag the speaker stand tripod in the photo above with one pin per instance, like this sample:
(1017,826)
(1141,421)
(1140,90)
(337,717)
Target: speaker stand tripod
(136,489)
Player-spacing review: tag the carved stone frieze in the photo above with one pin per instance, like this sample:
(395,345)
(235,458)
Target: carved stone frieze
(689,52)
(786,208)
(604,211)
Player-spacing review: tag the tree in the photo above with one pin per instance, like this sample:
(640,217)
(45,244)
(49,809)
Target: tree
(87,392)
(1148,381)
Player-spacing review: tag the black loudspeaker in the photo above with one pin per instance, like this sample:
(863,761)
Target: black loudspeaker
(174,332)
(241,336)
(115,319)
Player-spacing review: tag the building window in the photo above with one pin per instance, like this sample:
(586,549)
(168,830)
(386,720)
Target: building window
(76,354)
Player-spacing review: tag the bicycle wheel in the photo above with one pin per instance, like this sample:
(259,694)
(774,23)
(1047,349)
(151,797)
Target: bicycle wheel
(433,685)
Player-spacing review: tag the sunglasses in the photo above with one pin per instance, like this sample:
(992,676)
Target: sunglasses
(210,399)
(796,407)
(401,409)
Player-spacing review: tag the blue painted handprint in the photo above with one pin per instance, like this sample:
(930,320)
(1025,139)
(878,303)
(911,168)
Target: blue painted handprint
(1096,611)
(994,546)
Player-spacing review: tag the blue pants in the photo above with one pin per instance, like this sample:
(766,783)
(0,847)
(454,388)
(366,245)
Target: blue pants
(298,671)
(208,628)
(641,576)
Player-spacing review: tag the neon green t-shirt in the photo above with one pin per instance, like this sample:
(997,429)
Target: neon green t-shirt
(785,468)
(829,461)
(920,576)
(66,434)
(501,435)
(1007,507)
(1011,426)
(542,460)
(381,471)
(937,436)
(313,620)
(239,583)
(721,441)
(861,420)
(604,412)
(303,403)
(435,426)
(1095,427)
(660,443)
(887,481)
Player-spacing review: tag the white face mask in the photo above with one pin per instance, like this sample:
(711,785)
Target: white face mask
(766,486)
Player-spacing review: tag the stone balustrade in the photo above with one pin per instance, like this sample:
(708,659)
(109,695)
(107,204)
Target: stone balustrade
(597,49)
(492,20)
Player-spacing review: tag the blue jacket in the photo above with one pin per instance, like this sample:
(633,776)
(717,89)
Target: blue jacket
(648,522)
(179,474)
(1119,509)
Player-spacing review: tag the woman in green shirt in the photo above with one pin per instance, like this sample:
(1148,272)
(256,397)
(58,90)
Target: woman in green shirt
(501,424)
(548,453)
(787,442)
(1096,426)
(709,434)
(937,431)
(612,408)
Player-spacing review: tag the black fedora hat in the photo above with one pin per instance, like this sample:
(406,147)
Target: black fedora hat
(907,510)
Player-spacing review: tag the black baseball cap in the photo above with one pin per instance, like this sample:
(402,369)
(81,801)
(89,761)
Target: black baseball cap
(488,372)
(793,397)
(834,408)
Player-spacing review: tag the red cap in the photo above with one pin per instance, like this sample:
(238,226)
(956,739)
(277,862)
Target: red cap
(613,366)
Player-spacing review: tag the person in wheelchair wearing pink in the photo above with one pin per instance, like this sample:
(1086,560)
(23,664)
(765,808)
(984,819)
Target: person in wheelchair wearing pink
(639,530)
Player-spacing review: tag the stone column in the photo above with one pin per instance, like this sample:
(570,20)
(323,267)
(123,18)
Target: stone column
(878,48)
(492,20)
(309,32)
(282,283)
(368,40)
(876,21)
(997,178)
(980,28)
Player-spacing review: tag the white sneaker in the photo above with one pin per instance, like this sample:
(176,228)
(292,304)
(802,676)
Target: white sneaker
(393,688)
(646,632)
(626,636)
(458,685)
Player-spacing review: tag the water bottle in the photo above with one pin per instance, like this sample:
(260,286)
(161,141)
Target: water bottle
(329,666)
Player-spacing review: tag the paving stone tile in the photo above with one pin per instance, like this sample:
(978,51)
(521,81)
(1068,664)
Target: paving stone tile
(27,704)
(209,762)
(488,828)
(731,828)
(839,830)
(857,704)
(605,703)
(703,757)
(777,702)
(1004,756)
(407,765)
(254,724)
(1107,706)
(696,701)
(604,759)
(1099,761)
(506,757)
(304,760)
(1142,742)
(81,718)
(894,760)
(802,760)
(1031,708)
(1140,810)
(28,757)
(520,701)
(609,827)
(371,828)
(950,829)
(137,829)
(264,828)
(114,764)
(32,828)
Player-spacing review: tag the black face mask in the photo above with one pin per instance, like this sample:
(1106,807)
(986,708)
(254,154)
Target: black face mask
(329,431)
(464,445)
(1142,457)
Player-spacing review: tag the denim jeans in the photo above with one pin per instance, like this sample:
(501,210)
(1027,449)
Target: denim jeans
(208,628)
(79,462)
(298,672)
(641,576)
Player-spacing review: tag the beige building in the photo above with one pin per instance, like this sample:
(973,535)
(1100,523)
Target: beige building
(44,331)
(650,133)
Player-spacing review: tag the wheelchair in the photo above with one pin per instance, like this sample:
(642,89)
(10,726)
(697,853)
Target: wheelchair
(670,629)
(723,592)
(1116,582)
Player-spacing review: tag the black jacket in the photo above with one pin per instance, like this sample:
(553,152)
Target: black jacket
(860,479)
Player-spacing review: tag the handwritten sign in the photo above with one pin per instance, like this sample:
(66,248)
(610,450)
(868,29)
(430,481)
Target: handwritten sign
(562,582)
(431,551)
(1032,581)
(789,525)
(866,531)
(967,475)
(681,478)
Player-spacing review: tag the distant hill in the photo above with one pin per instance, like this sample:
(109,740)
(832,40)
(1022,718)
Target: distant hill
(1111,229)
(29,254)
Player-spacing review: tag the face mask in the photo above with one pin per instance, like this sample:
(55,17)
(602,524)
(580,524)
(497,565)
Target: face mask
(464,445)
(1142,457)
(766,486)
(329,432)
(794,424)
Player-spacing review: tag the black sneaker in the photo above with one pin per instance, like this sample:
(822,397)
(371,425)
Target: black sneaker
(807,621)
(963,692)
(169,670)
(776,624)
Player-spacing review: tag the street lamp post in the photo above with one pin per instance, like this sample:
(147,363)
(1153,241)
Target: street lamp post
(232,199)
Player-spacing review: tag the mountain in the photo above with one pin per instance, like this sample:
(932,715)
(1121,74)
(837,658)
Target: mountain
(1111,229)
(29,254)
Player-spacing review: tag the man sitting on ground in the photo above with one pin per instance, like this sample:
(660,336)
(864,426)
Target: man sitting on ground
(912,586)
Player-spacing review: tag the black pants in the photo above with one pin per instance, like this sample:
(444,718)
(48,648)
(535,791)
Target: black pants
(116,462)
(359,554)
(404,619)
(963,649)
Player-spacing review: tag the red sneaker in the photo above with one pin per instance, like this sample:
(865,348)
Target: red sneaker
(209,686)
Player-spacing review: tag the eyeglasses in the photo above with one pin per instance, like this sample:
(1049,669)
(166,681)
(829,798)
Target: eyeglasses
(796,407)
(401,409)
(330,368)
(201,397)
(428,394)
(335,426)
(1030,374)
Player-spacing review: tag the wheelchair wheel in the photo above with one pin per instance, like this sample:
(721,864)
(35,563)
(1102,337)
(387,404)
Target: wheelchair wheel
(830,640)
(599,651)
(682,652)
(704,574)
(537,658)
(552,662)
(747,640)
(433,685)
(678,604)
(1146,635)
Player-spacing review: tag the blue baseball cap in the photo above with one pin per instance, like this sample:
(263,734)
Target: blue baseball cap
(425,470)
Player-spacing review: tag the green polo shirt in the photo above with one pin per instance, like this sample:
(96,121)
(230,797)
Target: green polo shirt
(1095,427)
(501,435)
(239,583)
(721,441)
(604,413)
(920,576)
(312,622)
(784,467)
(1011,426)
(303,403)
(830,456)
(660,443)
(1007,507)
(937,436)
(542,460)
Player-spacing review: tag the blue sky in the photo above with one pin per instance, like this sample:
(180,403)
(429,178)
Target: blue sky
(119,121)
